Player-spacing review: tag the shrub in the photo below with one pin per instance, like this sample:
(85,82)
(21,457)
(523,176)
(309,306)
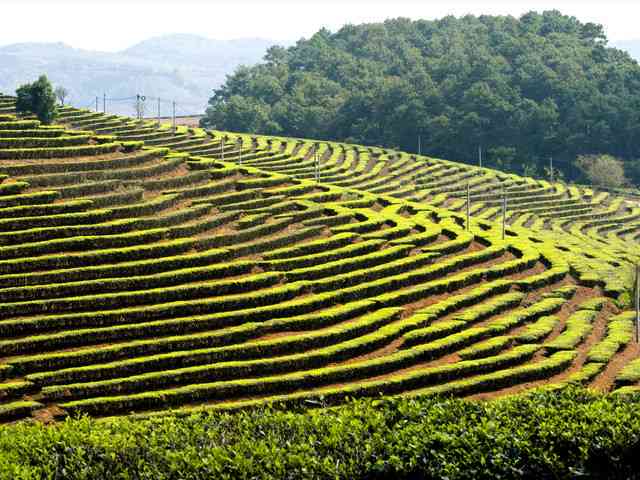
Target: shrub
(603,170)
(545,435)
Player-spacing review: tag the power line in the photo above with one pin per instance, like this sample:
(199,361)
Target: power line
(124,99)
(90,104)
(180,108)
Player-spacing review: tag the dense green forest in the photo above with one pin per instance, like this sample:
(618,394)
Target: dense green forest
(524,89)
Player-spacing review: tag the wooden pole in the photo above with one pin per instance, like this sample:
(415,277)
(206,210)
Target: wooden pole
(240,151)
(637,302)
(504,211)
(468,207)
(480,155)
(96,104)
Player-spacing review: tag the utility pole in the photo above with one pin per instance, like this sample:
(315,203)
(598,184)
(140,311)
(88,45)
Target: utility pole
(317,158)
(637,301)
(468,206)
(174,116)
(158,111)
(104,103)
(480,155)
(96,103)
(551,167)
(139,100)
(240,150)
(222,149)
(504,211)
(419,145)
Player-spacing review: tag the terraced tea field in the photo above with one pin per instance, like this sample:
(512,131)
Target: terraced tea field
(143,269)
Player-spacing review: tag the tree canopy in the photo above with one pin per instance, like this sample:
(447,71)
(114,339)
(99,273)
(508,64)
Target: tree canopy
(37,98)
(524,89)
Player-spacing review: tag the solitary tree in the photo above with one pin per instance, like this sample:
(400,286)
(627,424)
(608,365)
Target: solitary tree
(37,98)
(61,93)
(603,170)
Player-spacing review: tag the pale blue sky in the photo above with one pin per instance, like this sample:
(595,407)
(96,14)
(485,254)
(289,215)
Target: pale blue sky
(117,24)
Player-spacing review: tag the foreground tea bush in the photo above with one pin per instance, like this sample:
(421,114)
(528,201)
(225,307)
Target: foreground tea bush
(567,434)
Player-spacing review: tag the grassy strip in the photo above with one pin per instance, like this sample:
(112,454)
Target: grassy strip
(86,259)
(584,375)
(257,247)
(578,327)
(18,409)
(320,258)
(349,264)
(595,304)
(124,298)
(127,284)
(567,292)
(405,272)
(294,315)
(505,378)
(63,219)
(112,227)
(486,348)
(310,248)
(490,308)
(318,349)
(538,330)
(28,200)
(90,242)
(39,142)
(124,161)
(148,313)
(630,373)
(132,173)
(19,125)
(192,350)
(519,316)
(267,385)
(14,389)
(620,330)
(13,188)
(153,266)
(63,152)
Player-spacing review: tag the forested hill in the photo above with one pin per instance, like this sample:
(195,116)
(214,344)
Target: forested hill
(524,88)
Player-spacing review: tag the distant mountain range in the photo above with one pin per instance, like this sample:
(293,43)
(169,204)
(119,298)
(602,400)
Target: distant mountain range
(180,67)
(631,46)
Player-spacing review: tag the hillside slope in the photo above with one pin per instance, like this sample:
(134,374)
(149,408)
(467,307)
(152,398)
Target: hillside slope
(134,278)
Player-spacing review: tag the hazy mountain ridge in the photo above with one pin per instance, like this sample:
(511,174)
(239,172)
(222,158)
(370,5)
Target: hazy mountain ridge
(177,67)
(631,46)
